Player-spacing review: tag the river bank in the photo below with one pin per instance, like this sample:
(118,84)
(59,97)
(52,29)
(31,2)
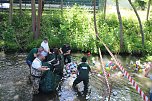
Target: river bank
(14,86)
(13,79)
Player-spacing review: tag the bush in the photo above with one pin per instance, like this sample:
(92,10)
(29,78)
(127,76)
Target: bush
(75,28)
(3,22)
(10,40)
(148,36)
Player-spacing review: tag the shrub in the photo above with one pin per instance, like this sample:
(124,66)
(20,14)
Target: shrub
(75,28)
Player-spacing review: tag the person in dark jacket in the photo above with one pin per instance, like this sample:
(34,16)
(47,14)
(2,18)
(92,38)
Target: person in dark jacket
(55,59)
(66,51)
(83,75)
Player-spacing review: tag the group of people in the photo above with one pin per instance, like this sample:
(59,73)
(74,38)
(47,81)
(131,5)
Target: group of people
(54,57)
(147,66)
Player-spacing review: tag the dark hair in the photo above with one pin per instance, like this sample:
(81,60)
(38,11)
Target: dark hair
(51,50)
(41,47)
(84,59)
(56,51)
(64,45)
(45,38)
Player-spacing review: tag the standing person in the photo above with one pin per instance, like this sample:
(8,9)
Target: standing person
(57,63)
(83,75)
(45,45)
(66,51)
(137,66)
(149,76)
(36,72)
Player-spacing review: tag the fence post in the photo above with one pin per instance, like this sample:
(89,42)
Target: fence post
(25,5)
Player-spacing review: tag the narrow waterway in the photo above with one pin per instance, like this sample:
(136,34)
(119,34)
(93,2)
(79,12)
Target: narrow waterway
(14,86)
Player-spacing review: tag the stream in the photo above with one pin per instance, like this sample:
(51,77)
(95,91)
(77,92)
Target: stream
(14,81)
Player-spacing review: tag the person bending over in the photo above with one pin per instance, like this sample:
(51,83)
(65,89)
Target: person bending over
(37,71)
(31,56)
(83,75)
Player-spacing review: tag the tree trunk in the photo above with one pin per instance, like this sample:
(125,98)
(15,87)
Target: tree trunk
(11,12)
(95,24)
(33,17)
(140,24)
(42,6)
(148,9)
(61,7)
(20,4)
(97,34)
(120,25)
(105,7)
(39,19)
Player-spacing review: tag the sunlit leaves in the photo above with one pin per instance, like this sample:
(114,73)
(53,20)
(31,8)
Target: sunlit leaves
(76,27)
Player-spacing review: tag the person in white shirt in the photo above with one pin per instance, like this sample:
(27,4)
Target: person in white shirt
(36,72)
(148,69)
(149,76)
(45,45)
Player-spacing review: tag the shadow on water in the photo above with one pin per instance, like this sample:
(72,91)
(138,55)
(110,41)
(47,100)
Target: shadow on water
(53,96)
(46,97)
(62,95)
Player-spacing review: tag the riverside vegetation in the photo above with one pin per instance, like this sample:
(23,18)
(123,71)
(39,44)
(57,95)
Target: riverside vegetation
(76,27)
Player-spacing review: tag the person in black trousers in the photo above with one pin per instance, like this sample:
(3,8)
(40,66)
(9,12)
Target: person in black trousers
(66,51)
(83,75)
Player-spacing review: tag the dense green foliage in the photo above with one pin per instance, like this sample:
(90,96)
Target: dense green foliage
(140,4)
(75,27)
(16,36)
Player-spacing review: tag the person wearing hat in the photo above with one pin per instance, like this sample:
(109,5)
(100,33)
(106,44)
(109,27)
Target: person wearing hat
(83,75)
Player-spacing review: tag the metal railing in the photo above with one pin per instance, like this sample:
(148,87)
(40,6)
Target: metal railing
(49,4)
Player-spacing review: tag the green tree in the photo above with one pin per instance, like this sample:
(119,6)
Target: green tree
(105,7)
(120,24)
(20,5)
(148,9)
(95,24)
(61,7)
(140,24)
(11,12)
(33,17)
(37,34)
(140,3)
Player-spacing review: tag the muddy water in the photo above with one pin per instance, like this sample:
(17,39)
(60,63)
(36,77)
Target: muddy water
(14,86)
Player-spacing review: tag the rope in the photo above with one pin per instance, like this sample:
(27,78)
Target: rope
(104,71)
(138,89)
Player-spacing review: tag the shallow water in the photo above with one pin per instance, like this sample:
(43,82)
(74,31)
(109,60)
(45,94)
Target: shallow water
(14,87)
